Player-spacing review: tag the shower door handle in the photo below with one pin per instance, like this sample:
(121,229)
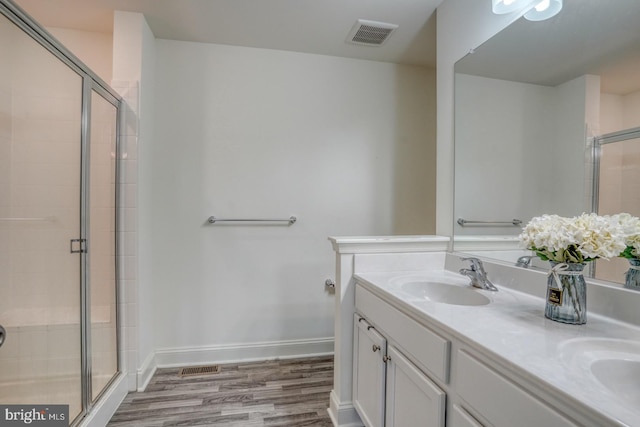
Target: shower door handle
(3,334)
(78,246)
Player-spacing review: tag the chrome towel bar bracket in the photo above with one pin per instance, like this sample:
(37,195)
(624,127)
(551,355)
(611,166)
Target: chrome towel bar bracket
(289,221)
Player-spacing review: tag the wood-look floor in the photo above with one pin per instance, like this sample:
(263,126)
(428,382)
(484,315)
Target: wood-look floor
(290,393)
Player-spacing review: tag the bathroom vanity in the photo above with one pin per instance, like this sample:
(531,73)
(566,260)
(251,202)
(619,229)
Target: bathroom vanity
(427,349)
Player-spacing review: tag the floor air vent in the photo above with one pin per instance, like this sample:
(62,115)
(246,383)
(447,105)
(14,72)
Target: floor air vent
(199,370)
(370,33)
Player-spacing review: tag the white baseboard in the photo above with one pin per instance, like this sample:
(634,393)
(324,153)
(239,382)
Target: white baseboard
(146,371)
(132,381)
(343,414)
(231,353)
(104,409)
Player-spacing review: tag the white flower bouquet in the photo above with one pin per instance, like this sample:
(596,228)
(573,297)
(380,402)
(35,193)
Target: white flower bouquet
(631,230)
(574,240)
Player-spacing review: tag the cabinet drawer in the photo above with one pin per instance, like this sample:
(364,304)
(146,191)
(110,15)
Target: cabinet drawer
(428,350)
(500,401)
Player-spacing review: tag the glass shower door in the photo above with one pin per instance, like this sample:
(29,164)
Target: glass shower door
(40,279)
(102,243)
(618,178)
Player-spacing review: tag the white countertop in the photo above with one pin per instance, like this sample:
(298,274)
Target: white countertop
(512,328)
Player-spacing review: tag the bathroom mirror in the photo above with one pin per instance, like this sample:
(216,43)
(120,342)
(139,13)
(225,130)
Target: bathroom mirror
(529,103)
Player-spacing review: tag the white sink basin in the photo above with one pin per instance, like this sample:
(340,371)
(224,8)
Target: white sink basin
(444,293)
(614,363)
(621,376)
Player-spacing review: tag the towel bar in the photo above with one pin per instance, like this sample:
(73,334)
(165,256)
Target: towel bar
(213,220)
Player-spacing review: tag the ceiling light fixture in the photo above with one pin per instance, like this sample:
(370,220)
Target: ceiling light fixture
(507,6)
(536,10)
(544,10)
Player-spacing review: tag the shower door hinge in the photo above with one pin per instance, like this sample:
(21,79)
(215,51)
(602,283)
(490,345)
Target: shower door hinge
(78,246)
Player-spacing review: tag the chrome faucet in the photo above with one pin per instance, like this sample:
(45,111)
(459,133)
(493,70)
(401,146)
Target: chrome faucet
(477,275)
(524,261)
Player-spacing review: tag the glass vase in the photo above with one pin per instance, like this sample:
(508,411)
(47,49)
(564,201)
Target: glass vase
(566,294)
(632,278)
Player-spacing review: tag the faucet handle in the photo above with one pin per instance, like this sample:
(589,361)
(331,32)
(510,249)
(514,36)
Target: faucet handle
(476,263)
(525,261)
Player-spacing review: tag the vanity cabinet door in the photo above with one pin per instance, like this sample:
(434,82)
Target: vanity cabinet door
(460,418)
(413,400)
(369,350)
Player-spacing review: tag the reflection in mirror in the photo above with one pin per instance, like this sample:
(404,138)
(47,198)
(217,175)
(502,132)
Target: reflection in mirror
(617,189)
(531,107)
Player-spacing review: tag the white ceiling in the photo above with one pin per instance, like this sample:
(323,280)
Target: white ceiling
(311,26)
(586,37)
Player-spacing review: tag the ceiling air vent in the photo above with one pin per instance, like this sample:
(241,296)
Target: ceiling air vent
(370,33)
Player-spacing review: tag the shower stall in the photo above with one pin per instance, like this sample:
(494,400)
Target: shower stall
(617,172)
(58,194)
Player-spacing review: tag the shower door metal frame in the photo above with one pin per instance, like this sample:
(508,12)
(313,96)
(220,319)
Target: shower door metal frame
(598,142)
(91,82)
(90,86)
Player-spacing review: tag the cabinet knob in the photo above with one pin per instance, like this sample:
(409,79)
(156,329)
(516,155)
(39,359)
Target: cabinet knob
(385,359)
(376,348)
